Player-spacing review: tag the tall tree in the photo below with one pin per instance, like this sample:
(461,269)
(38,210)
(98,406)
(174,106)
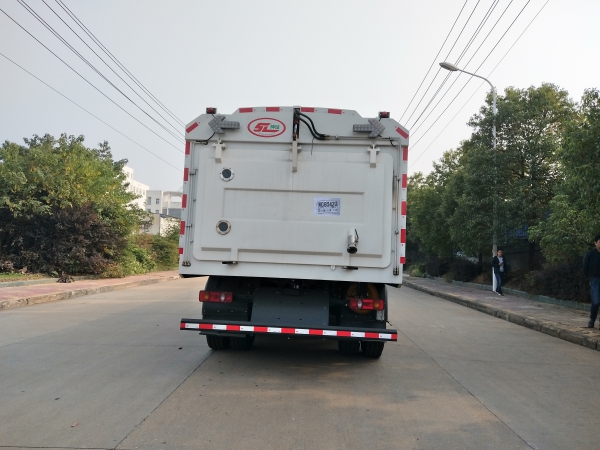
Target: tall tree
(516,182)
(58,182)
(573,220)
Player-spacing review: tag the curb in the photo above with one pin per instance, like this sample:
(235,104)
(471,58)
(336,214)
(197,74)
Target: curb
(517,293)
(546,327)
(37,299)
(6,284)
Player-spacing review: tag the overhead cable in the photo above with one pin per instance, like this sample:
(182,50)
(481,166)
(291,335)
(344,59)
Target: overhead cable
(457,77)
(72,15)
(439,68)
(87,81)
(177,129)
(91,114)
(473,37)
(89,64)
(434,60)
(479,87)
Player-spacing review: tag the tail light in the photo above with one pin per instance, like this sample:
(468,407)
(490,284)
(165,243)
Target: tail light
(216,296)
(362,304)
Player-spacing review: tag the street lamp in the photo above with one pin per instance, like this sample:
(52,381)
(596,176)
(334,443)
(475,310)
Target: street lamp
(453,68)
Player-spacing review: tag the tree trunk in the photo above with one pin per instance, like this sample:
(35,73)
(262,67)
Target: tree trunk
(531,257)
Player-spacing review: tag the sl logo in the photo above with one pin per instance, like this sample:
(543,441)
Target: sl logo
(266,127)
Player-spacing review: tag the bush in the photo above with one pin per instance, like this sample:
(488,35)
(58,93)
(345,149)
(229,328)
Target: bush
(464,270)
(437,267)
(71,240)
(133,261)
(165,252)
(417,270)
(564,281)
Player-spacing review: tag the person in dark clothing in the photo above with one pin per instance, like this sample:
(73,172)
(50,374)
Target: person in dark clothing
(591,269)
(500,268)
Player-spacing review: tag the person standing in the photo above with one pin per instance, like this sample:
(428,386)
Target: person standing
(500,267)
(591,269)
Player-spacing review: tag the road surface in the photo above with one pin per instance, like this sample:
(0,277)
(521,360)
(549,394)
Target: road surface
(113,370)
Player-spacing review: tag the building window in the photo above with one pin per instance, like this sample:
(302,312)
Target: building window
(149,202)
(157,211)
(158,202)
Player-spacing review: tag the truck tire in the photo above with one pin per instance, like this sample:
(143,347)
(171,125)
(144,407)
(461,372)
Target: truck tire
(242,343)
(217,342)
(372,349)
(349,348)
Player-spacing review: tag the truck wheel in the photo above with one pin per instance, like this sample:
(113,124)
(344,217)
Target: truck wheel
(217,342)
(348,348)
(242,343)
(372,349)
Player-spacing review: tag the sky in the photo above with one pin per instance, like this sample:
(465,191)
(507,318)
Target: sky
(368,56)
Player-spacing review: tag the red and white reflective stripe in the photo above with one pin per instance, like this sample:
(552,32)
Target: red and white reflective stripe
(273,109)
(191,127)
(246,110)
(182,228)
(403,197)
(402,133)
(334,111)
(186,173)
(184,200)
(283,330)
(187,148)
(306,109)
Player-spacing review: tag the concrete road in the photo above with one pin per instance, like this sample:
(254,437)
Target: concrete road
(107,371)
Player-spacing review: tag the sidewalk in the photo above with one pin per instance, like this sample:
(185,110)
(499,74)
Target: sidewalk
(558,321)
(31,294)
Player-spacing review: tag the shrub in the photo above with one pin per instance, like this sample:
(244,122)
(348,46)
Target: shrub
(437,267)
(465,270)
(563,281)
(72,240)
(133,261)
(417,270)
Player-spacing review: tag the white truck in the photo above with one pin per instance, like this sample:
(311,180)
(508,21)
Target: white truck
(298,217)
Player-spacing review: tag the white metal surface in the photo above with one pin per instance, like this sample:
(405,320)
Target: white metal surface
(289,208)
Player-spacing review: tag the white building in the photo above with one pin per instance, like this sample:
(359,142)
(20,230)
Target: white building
(136,187)
(164,202)
(158,224)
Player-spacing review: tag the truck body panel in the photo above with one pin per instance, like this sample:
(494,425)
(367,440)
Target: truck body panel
(298,217)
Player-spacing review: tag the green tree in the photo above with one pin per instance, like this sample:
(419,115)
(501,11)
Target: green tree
(516,182)
(573,220)
(44,180)
(429,202)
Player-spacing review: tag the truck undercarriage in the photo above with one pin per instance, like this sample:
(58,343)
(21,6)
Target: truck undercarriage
(236,309)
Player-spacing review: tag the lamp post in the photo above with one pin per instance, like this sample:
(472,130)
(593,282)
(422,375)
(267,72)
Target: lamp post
(453,68)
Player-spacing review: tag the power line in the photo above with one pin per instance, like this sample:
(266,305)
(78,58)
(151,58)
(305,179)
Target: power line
(87,81)
(434,59)
(89,64)
(473,37)
(482,83)
(439,69)
(465,85)
(178,130)
(456,78)
(91,114)
(114,58)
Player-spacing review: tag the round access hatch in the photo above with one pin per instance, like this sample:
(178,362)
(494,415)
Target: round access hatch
(226,174)
(223,227)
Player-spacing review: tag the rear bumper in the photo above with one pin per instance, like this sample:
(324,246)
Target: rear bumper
(233,328)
